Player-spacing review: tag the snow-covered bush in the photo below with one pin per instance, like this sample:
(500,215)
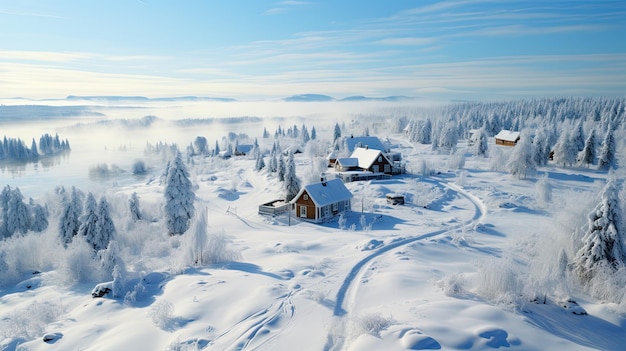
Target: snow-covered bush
(162,313)
(372,324)
(78,263)
(543,190)
(30,322)
(456,160)
(498,280)
(139,167)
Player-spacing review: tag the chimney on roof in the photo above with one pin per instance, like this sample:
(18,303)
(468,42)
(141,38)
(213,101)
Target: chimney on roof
(323,180)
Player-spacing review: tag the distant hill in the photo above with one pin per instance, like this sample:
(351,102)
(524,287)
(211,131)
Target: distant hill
(34,112)
(309,97)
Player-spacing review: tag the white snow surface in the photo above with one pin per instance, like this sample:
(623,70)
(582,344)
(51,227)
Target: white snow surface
(409,280)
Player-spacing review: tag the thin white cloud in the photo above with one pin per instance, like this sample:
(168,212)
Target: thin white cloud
(43,56)
(406,41)
(28,14)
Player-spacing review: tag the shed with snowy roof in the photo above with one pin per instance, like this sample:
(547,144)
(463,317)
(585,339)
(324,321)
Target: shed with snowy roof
(322,201)
(507,137)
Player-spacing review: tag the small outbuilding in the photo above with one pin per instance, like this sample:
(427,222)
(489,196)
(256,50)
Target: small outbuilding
(395,199)
(322,201)
(507,138)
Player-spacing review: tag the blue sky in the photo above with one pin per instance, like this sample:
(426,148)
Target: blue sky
(256,49)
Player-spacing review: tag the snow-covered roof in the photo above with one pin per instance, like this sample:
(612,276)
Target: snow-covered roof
(370,142)
(332,155)
(326,193)
(366,157)
(508,135)
(348,162)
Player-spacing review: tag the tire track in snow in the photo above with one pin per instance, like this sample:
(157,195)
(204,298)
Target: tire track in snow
(261,326)
(336,336)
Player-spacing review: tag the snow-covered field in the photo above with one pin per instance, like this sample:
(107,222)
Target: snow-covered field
(468,263)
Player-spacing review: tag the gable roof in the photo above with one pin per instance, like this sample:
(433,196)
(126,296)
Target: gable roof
(348,162)
(370,142)
(508,135)
(326,193)
(366,157)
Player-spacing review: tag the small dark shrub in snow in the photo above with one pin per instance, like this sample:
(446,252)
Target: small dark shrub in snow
(139,167)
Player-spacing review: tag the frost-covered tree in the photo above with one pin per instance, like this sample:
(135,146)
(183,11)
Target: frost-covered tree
(313,133)
(260,163)
(588,154)
(578,137)
(89,222)
(40,217)
(200,146)
(521,163)
(541,147)
(15,214)
(480,147)
(603,242)
(336,132)
(198,240)
(106,228)
(565,151)
(292,182)
(424,132)
(304,134)
(133,207)
(69,223)
(217,148)
(607,159)
(179,197)
(282,169)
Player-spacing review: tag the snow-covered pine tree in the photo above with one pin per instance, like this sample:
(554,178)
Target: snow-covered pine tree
(521,163)
(578,137)
(425,132)
(588,155)
(89,223)
(292,182)
(607,158)
(18,216)
(565,152)
(40,217)
(481,144)
(133,207)
(336,132)
(179,197)
(304,134)
(106,228)
(260,163)
(603,243)
(281,168)
(540,148)
(69,223)
(313,133)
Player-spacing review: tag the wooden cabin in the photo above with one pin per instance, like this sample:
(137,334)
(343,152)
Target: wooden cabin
(507,138)
(322,201)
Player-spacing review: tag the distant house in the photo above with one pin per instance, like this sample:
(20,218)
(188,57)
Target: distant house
(321,201)
(332,158)
(369,142)
(243,150)
(507,137)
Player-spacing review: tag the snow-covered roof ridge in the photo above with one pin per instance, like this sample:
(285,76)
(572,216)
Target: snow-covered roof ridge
(365,156)
(327,192)
(370,142)
(508,135)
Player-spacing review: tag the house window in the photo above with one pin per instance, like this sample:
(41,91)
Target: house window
(326,211)
(305,197)
(375,168)
(380,159)
(303,211)
(387,168)
(335,207)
